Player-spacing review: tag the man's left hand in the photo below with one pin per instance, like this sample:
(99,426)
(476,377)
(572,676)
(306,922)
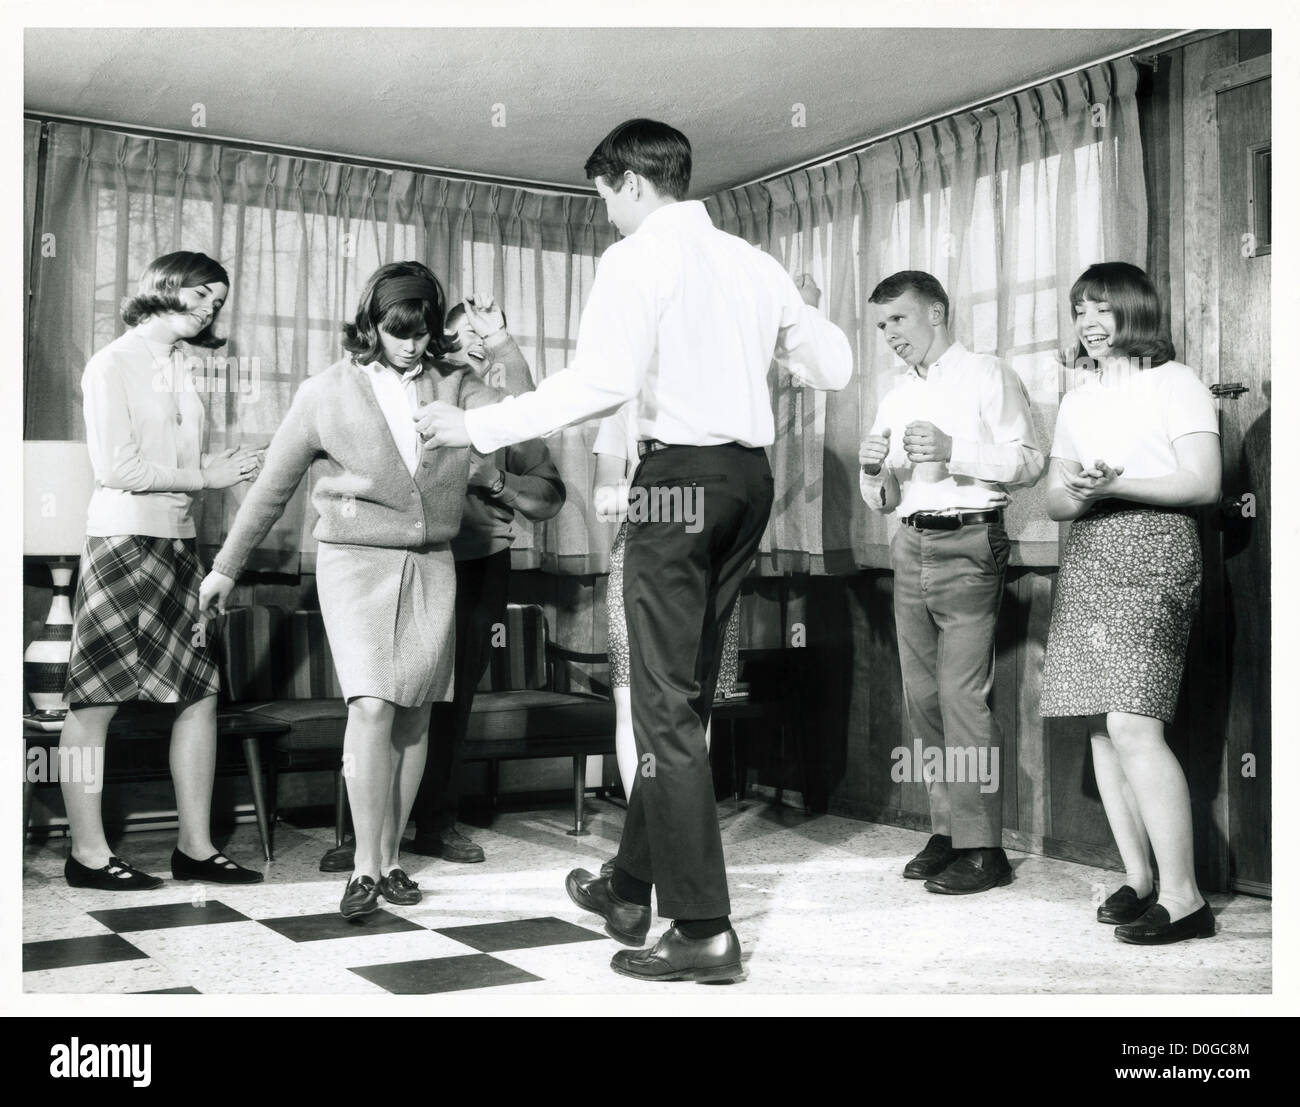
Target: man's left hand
(441,424)
(925,442)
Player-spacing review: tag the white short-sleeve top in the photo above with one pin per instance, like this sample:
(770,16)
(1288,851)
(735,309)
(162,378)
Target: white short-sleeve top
(1131,417)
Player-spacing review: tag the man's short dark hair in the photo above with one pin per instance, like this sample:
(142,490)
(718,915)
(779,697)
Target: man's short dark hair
(653,150)
(923,284)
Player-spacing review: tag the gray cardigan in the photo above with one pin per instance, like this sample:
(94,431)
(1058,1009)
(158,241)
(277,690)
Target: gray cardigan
(362,491)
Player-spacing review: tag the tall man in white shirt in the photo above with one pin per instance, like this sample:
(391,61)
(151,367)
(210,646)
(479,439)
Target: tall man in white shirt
(686,319)
(949,439)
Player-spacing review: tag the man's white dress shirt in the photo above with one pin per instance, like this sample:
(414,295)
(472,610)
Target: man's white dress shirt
(686,319)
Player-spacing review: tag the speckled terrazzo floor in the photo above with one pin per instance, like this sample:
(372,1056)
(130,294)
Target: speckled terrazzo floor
(818,903)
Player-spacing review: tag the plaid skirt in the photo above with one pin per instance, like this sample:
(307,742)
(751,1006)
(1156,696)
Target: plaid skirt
(136,629)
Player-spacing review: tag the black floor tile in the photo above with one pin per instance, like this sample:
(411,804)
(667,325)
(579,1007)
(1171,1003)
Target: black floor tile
(185,991)
(315,928)
(63,953)
(520,934)
(444,974)
(165,916)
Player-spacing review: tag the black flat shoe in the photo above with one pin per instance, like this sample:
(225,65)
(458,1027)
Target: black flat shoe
(1124,906)
(1155,929)
(931,861)
(625,922)
(677,957)
(976,870)
(116,876)
(361,898)
(339,859)
(217,869)
(400,889)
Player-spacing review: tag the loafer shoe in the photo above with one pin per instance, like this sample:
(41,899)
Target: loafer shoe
(677,957)
(400,889)
(116,876)
(1155,929)
(625,922)
(339,859)
(217,869)
(361,897)
(1124,906)
(931,861)
(976,870)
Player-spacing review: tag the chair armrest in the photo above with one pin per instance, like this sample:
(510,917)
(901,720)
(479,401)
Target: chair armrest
(559,655)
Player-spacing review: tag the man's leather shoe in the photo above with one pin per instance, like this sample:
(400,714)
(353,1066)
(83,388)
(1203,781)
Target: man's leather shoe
(454,846)
(677,957)
(339,859)
(449,844)
(625,922)
(1155,929)
(361,898)
(399,888)
(1124,906)
(931,861)
(976,870)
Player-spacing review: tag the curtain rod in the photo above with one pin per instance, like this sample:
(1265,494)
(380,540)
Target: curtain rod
(318,155)
(975,105)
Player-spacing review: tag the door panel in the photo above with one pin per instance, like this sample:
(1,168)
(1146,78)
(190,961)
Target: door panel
(1244,131)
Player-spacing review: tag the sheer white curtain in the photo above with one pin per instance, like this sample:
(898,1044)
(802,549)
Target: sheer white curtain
(1006,206)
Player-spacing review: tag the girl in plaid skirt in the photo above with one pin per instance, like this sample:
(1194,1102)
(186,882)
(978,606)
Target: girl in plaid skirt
(136,631)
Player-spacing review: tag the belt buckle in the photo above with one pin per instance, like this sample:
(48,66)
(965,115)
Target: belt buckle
(937,521)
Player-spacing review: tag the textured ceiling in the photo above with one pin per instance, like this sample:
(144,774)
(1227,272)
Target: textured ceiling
(429,96)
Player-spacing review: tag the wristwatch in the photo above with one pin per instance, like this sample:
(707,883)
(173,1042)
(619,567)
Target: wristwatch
(497,486)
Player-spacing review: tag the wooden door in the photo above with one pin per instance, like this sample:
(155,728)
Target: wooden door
(1243,115)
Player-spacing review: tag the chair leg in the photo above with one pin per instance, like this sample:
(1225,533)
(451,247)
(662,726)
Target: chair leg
(340,806)
(803,768)
(29,789)
(253,763)
(579,794)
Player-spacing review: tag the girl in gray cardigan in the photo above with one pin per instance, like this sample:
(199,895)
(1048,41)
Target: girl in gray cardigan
(387,511)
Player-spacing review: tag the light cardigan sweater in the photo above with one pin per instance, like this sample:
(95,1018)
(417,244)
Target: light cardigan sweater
(362,490)
(144,432)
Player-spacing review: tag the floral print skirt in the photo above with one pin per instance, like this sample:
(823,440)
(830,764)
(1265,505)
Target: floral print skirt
(1125,599)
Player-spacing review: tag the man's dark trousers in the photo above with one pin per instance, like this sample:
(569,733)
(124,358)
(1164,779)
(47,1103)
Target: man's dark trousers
(481,585)
(680,582)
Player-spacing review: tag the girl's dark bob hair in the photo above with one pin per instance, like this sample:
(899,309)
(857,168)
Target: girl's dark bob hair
(1135,307)
(160,282)
(401,319)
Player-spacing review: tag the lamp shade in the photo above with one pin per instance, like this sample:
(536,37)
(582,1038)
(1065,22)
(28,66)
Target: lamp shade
(57,484)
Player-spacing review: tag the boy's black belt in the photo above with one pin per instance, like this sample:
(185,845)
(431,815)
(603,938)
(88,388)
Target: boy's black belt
(651,445)
(933,520)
